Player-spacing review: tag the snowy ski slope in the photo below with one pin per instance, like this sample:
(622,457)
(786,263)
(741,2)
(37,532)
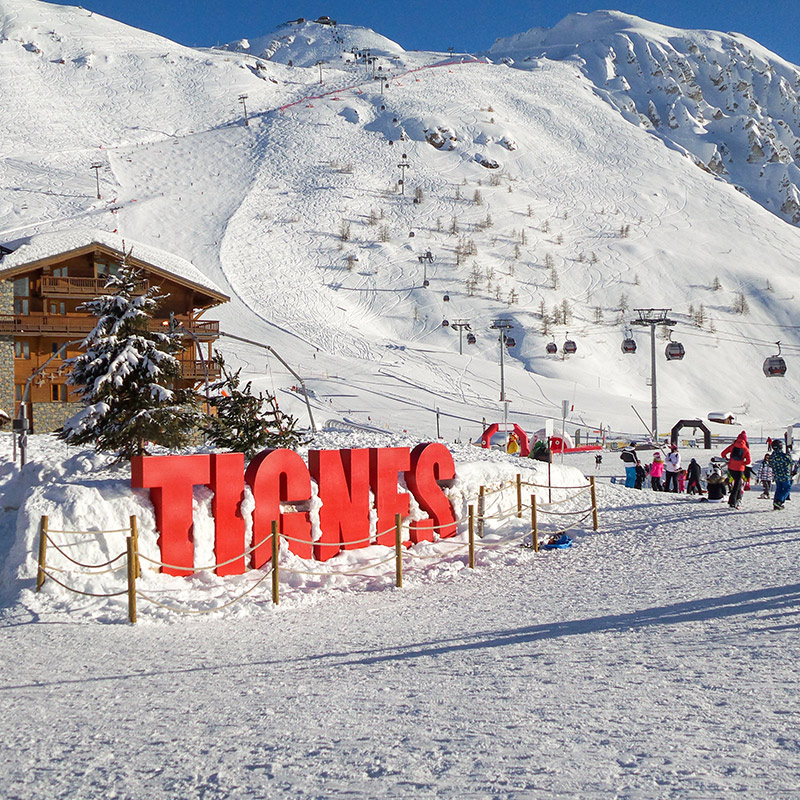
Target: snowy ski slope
(298,217)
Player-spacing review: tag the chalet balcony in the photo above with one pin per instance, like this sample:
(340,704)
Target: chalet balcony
(78,326)
(193,370)
(81,288)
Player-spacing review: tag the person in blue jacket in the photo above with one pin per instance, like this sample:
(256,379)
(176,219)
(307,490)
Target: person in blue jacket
(630,459)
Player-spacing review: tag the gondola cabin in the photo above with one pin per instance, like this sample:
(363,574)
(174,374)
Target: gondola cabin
(774,367)
(628,345)
(570,347)
(511,341)
(552,348)
(445,323)
(446,298)
(471,338)
(675,351)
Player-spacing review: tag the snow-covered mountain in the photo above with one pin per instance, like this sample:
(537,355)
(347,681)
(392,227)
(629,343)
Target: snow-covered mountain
(537,198)
(722,98)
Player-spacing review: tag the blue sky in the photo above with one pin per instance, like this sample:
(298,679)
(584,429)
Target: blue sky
(438,24)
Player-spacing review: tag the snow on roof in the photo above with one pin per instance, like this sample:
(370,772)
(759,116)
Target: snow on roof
(46,245)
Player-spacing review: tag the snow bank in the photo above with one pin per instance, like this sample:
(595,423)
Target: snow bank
(82,493)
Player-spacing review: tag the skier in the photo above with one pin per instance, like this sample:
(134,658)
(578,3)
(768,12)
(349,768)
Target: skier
(672,466)
(656,471)
(717,485)
(693,478)
(782,465)
(765,477)
(629,458)
(737,455)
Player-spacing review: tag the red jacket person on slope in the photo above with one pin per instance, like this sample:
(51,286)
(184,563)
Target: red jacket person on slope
(738,457)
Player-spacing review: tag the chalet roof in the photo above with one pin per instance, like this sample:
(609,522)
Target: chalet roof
(32,249)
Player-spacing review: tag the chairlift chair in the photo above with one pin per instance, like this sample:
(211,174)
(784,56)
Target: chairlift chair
(775,366)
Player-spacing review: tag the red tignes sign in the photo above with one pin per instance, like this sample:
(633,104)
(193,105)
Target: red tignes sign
(344,480)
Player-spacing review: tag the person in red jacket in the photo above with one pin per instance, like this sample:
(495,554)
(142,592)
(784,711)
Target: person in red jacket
(738,457)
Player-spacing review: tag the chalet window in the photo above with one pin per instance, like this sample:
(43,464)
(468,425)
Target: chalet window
(60,272)
(58,392)
(18,389)
(22,349)
(58,308)
(22,291)
(106,268)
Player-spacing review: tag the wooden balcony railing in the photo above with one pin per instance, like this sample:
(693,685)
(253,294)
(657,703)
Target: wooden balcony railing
(193,370)
(53,286)
(74,326)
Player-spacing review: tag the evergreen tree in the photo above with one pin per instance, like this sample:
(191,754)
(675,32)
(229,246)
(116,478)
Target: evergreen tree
(247,423)
(127,373)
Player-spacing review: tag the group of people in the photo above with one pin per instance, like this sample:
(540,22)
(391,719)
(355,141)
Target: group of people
(668,475)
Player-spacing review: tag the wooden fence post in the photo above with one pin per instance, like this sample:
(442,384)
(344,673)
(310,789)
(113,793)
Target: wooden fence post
(481,509)
(135,537)
(398,551)
(133,557)
(594,503)
(40,576)
(534,525)
(276,546)
(519,496)
(472,537)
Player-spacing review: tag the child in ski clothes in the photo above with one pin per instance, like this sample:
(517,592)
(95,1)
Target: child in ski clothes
(681,480)
(716,484)
(693,478)
(656,471)
(672,466)
(781,464)
(640,476)
(765,477)
(737,455)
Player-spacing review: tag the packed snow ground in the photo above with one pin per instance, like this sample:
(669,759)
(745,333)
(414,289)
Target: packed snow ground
(656,658)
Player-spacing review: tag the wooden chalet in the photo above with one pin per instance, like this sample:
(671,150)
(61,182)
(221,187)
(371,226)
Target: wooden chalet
(43,282)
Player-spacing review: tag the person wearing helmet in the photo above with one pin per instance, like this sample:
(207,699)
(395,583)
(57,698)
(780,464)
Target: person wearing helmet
(716,485)
(737,455)
(656,472)
(781,463)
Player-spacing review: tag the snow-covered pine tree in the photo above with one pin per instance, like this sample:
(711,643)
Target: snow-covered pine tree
(247,423)
(127,373)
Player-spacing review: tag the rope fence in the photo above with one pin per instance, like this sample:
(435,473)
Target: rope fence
(475,519)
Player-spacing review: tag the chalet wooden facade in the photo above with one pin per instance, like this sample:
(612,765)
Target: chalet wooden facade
(43,283)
